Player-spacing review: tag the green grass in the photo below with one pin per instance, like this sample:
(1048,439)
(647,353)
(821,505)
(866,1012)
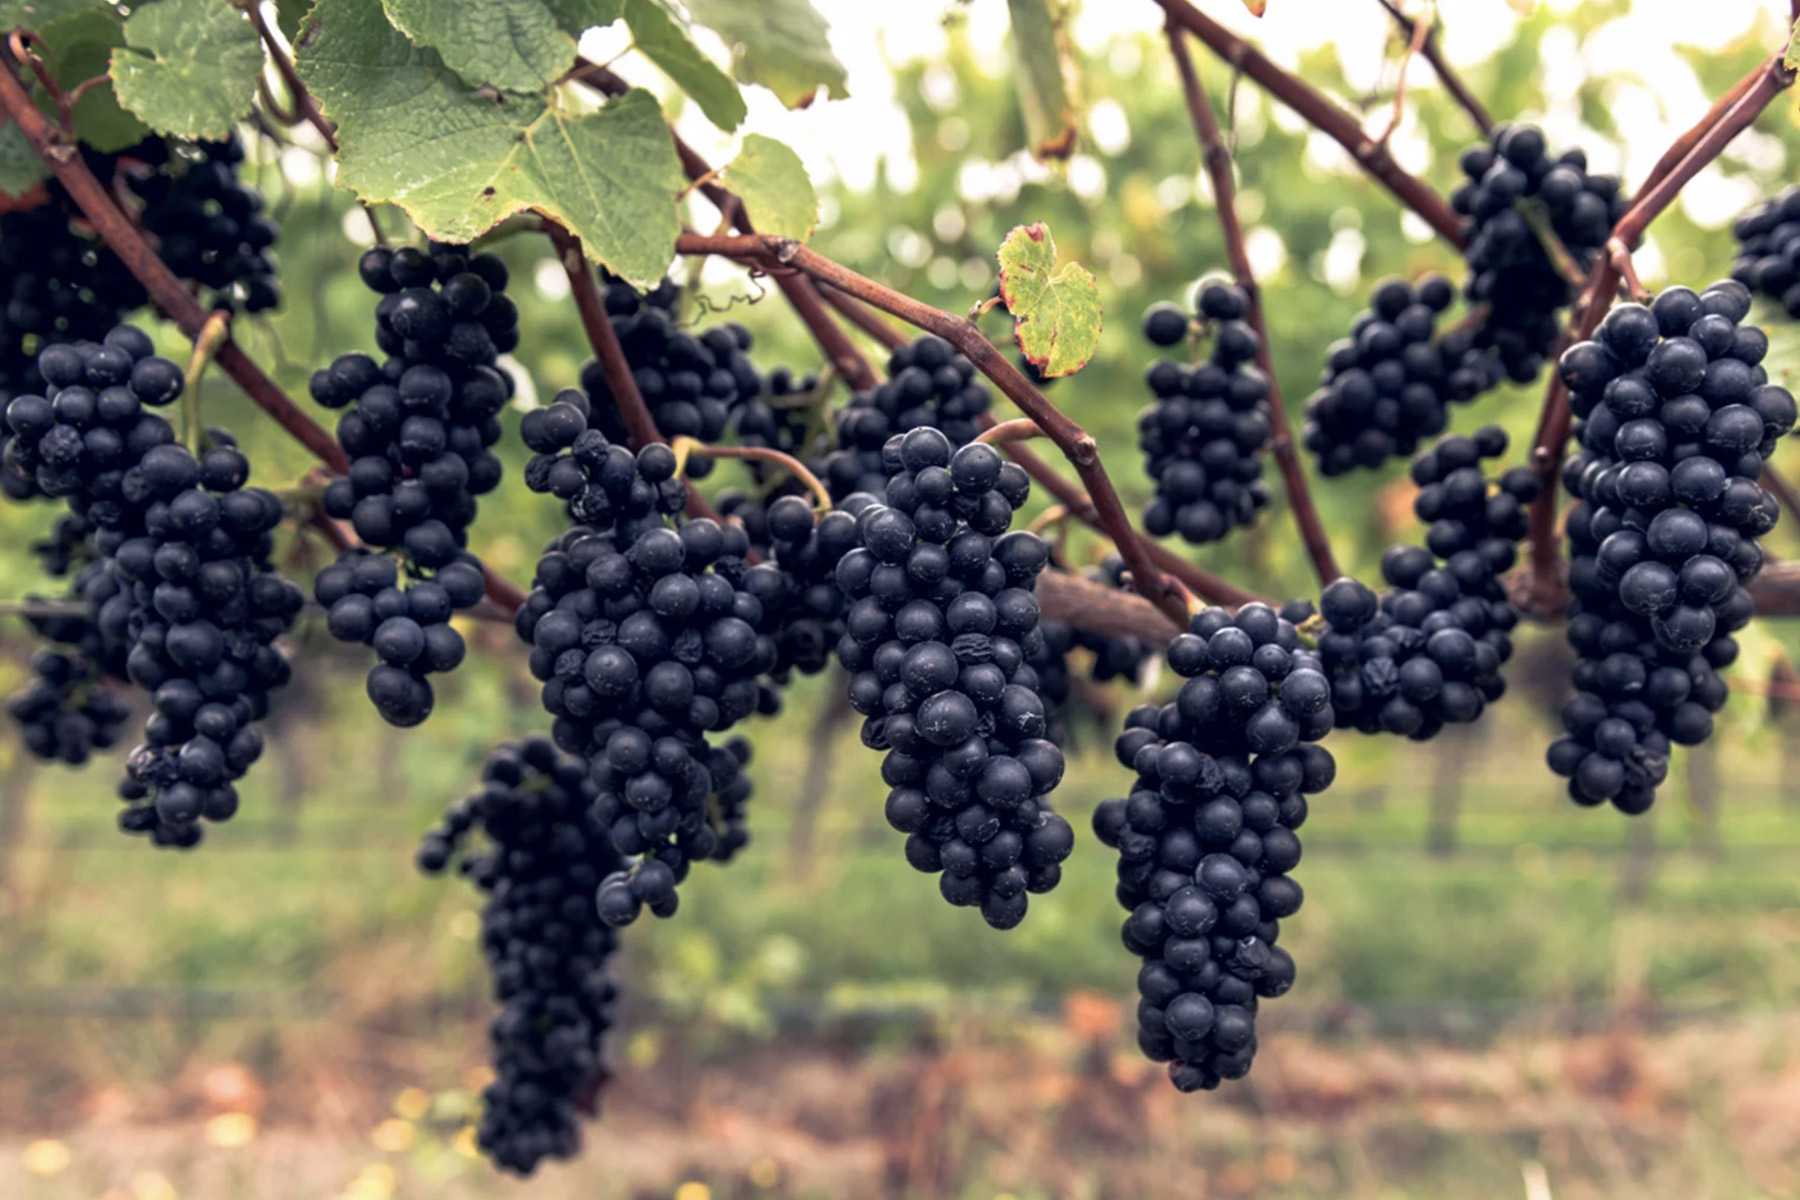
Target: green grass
(300,940)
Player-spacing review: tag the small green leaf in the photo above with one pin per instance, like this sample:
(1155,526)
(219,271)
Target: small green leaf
(459,160)
(512,45)
(769,178)
(780,44)
(189,67)
(81,45)
(20,166)
(35,14)
(661,40)
(1790,58)
(1040,58)
(1056,317)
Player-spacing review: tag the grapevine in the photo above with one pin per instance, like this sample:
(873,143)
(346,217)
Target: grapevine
(882,536)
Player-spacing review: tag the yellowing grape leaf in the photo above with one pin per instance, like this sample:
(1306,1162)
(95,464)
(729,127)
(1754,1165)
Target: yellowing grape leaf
(769,178)
(659,38)
(459,160)
(1056,314)
(1257,7)
(1040,60)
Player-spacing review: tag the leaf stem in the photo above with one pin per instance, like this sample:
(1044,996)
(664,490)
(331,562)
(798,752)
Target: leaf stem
(1323,114)
(1421,30)
(1447,75)
(1217,160)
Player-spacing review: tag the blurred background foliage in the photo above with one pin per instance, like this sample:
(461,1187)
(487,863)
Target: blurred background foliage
(1492,983)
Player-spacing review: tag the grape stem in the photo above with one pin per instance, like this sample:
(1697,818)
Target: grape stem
(1196,579)
(774,254)
(1421,30)
(801,292)
(1021,430)
(685,447)
(1545,592)
(1217,160)
(213,334)
(1323,114)
(1447,75)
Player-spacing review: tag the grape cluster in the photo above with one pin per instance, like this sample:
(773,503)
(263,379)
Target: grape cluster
(409,629)
(182,577)
(941,625)
(1768,255)
(209,225)
(930,385)
(419,433)
(545,945)
(65,713)
(1114,657)
(1207,837)
(1676,420)
(1428,652)
(1392,381)
(1203,436)
(1510,270)
(801,601)
(691,383)
(647,638)
(56,285)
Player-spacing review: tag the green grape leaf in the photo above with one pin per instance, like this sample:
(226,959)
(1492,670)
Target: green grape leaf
(511,45)
(777,193)
(189,67)
(578,16)
(1056,316)
(290,15)
(1790,58)
(459,160)
(659,38)
(81,45)
(1040,60)
(780,44)
(20,166)
(35,14)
